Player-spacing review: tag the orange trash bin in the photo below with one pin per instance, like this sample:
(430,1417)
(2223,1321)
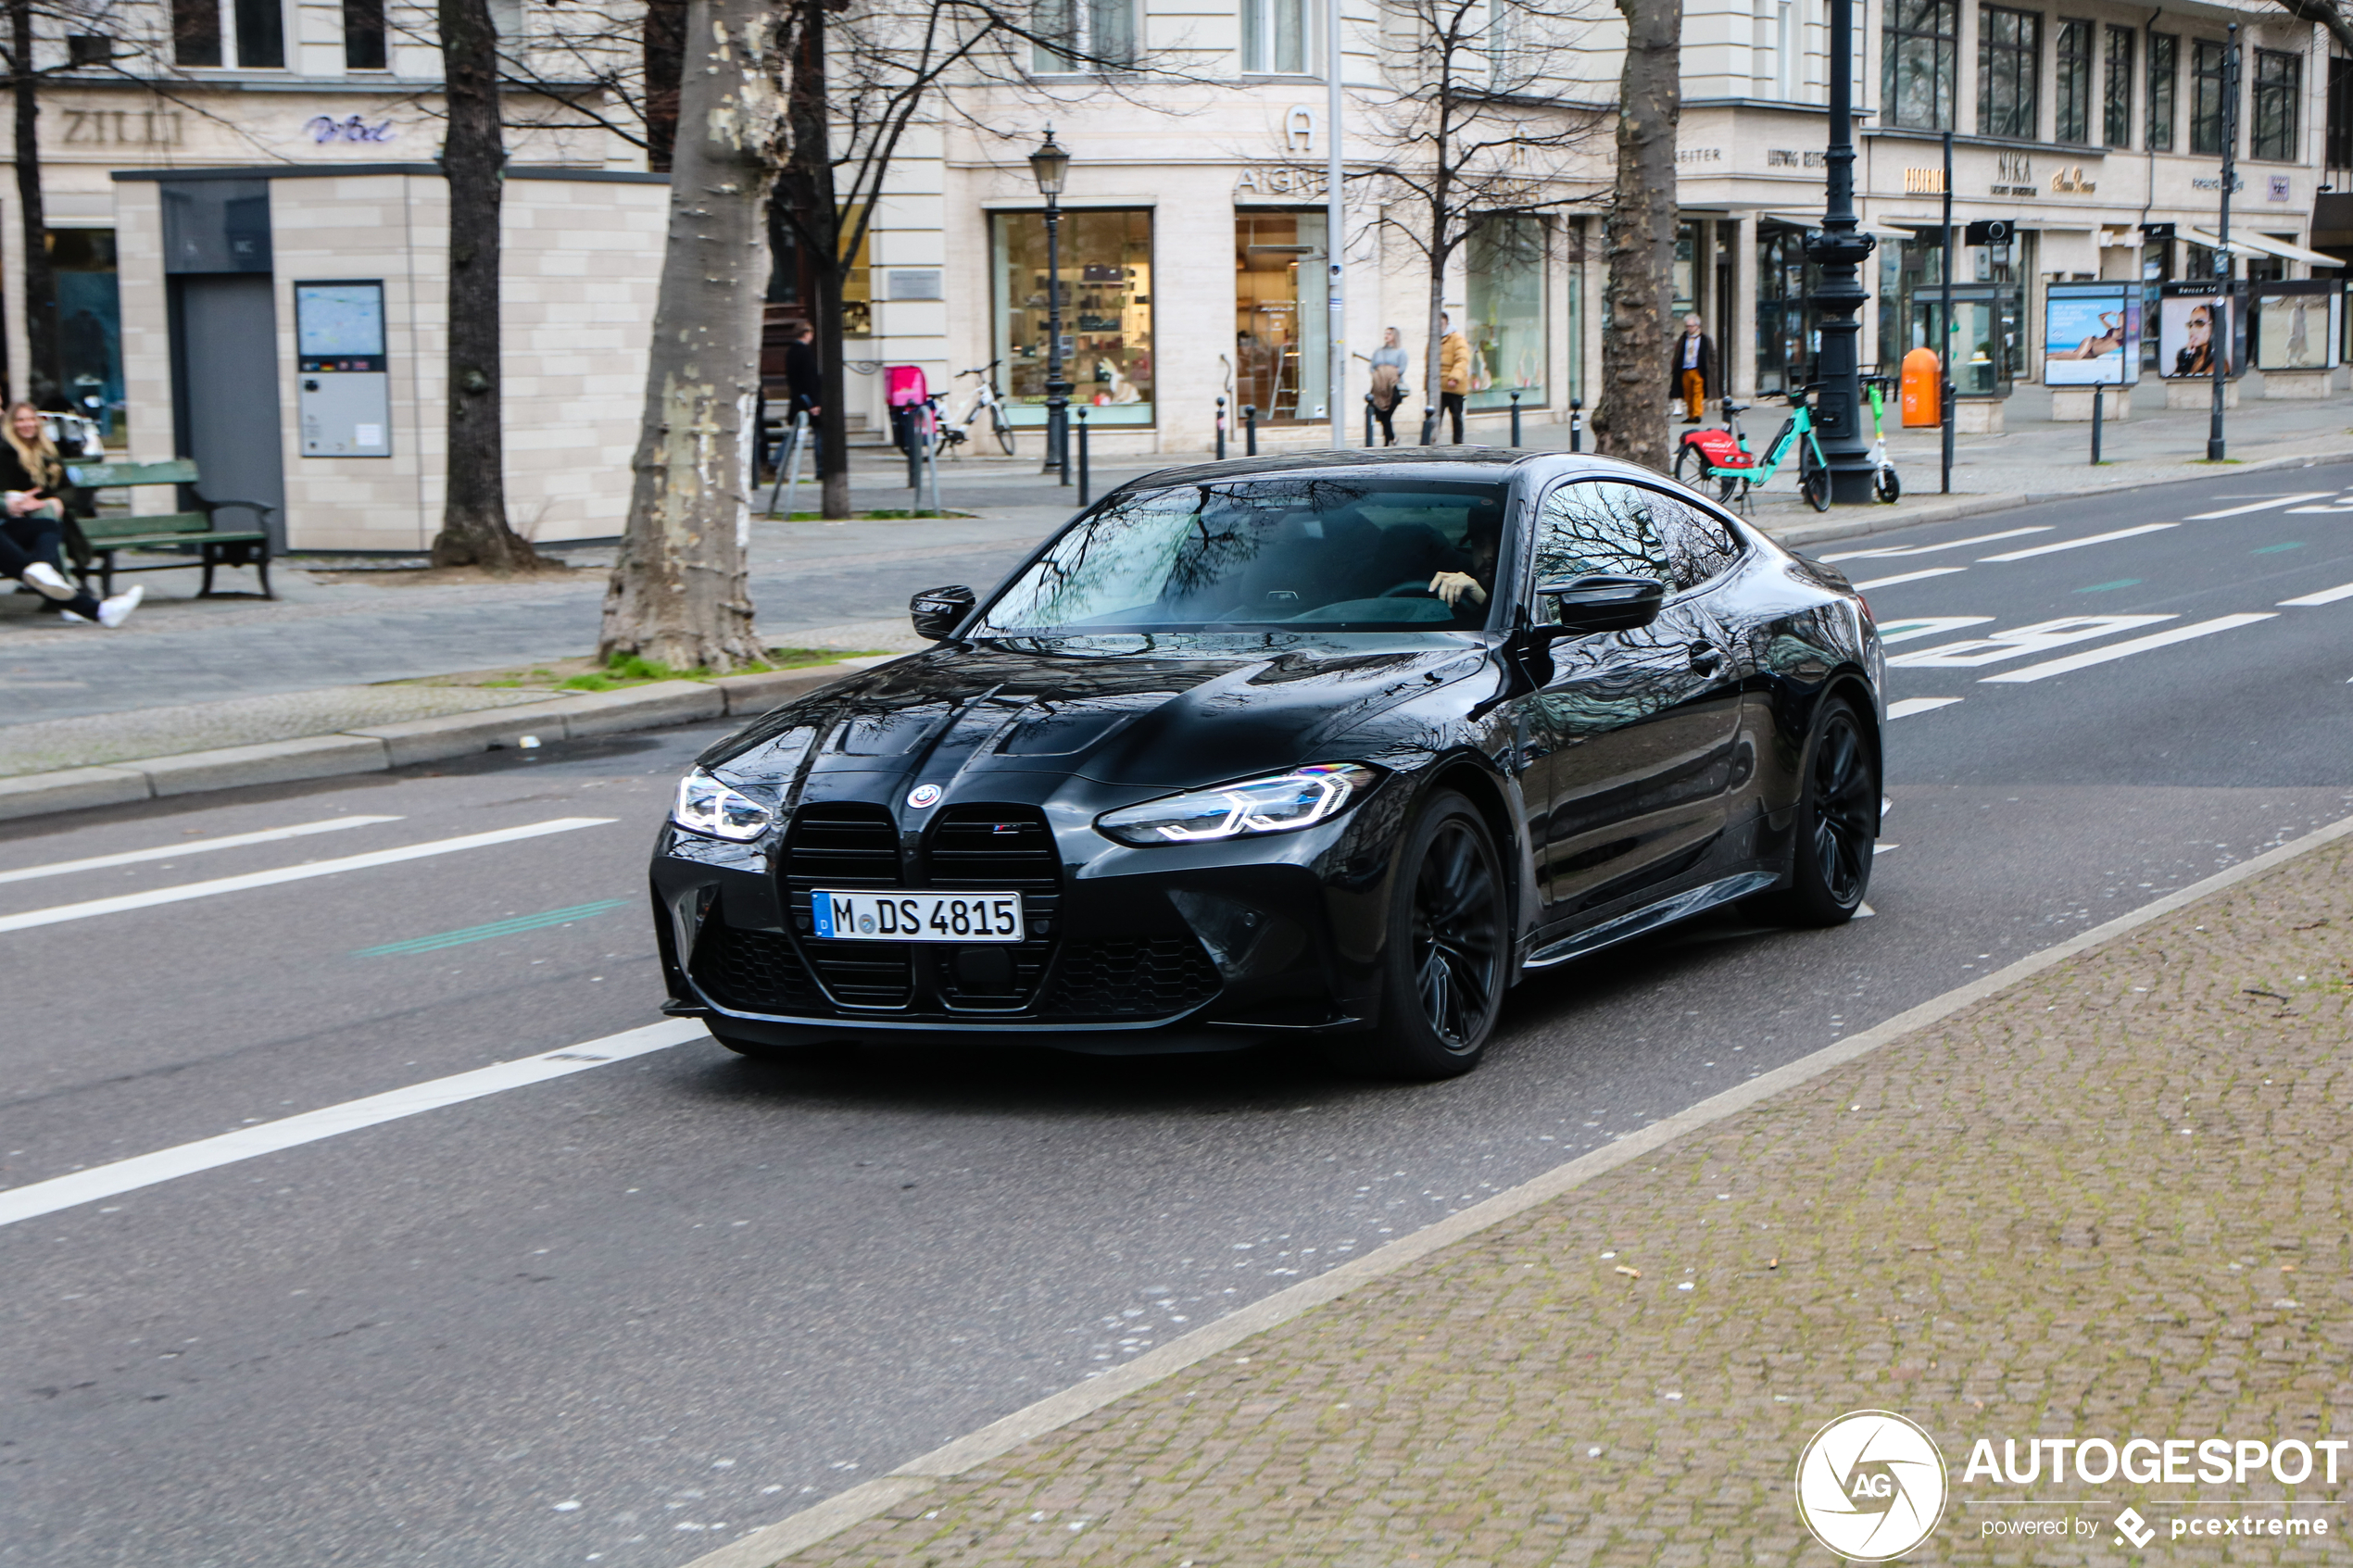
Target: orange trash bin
(1924,402)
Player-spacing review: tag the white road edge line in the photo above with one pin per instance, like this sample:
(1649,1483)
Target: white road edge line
(798,1532)
(2263,505)
(2325,597)
(155,895)
(1911,705)
(192,847)
(2125,650)
(37,1198)
(2078,544)
(1910,577)
(1931,549)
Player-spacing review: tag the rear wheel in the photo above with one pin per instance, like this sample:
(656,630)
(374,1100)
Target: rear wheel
(1003,428)
(1446,954)
(1886,487)
(1691,466)
(1814,483)
(1837,824)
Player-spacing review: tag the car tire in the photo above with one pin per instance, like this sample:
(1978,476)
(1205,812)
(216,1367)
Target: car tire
(1832,844)
(1448,949)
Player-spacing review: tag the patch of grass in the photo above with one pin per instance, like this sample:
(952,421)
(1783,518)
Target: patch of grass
(591,675)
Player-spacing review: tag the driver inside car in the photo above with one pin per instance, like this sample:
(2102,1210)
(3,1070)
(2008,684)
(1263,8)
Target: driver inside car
(1470,585)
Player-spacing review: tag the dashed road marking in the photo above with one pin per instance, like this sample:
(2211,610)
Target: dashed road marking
(2078,544)
(2325,597)
(2264,505)
(1911,705)
(191,846)
(2125,650)
(1910,577)
(1971,652)
(1926,626)
(1931,549)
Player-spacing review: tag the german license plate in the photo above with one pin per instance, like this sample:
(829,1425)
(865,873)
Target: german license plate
(917,917)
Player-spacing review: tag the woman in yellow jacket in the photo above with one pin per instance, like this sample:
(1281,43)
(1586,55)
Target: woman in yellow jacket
(1453,375)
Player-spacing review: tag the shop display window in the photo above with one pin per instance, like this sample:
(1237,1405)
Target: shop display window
(1506,277)
(1281,343)
(1106,289)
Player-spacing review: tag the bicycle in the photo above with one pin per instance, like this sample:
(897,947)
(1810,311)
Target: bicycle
(955,433)
(1885,485)
(1722,455)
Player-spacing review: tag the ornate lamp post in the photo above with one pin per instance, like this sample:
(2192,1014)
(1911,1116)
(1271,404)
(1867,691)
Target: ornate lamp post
(1839,250)
(2222,319)
(1049,163)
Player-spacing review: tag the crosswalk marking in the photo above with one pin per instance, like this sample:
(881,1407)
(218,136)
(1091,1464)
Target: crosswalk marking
(1910,577)
(1911,705)
(1926,626)
(191,846)
(1931,549)
(2022,641)
(2125,650)
(2264,505)
(153,896)
(2325,597)
(2078,544)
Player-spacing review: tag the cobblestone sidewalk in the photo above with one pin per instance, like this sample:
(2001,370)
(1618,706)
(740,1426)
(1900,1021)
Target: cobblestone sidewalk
(2107,1201)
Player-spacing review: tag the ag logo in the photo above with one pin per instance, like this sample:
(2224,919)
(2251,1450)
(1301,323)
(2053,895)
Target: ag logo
(1870,1486)
(923,795)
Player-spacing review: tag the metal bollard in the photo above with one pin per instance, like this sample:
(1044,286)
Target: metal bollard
(1221,430)
(1249,430)
(1577,424)
(1514,417)
(1082,459)
(1368,421)
(913,428)
(2099,397)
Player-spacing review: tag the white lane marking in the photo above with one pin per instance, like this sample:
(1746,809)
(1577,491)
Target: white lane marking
(1912,705)
(2125,650)
(192,847)
(2040,637)
(153,895)
(206,1154)
(1910,577)
(1883,846)
(2325,597)
(2334,509)
(1931,549)
(2078,544)
(2264,505)
(1927,626)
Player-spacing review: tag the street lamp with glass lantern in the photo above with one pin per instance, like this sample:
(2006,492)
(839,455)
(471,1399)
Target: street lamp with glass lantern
(1049,163)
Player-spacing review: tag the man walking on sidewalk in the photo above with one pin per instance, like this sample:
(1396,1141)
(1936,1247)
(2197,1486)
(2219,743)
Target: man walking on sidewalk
(1453,375)
(1694,367)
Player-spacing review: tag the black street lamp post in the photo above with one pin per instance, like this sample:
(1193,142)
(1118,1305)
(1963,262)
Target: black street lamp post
(1839,248)
(1049,163)
(2222,321)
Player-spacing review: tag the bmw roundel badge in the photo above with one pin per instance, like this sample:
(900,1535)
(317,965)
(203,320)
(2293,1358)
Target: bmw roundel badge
(923,795)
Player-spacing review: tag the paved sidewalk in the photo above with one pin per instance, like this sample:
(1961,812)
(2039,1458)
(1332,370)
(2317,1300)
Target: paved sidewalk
(2108,1202)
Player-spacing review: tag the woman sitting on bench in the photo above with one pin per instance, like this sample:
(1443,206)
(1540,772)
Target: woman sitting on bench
(32,476)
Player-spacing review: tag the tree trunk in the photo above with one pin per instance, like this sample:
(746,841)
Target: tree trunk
(808,187)
(1630,420)
(680,594)
(40,282)
(1432,367)
(473,515)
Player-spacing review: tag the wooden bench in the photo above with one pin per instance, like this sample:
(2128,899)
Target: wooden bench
(199,530)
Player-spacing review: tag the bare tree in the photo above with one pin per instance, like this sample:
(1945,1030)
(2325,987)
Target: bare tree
(1480,128)
(679,594)
(40,282)
(1630,419)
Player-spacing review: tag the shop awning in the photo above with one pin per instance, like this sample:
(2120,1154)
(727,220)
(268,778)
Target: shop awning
(2264,244)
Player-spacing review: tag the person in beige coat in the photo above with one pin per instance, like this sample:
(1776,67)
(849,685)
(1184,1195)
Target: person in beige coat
(1453,375)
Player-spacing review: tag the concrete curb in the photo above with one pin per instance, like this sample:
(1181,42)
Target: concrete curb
(769,1547)
(379,747)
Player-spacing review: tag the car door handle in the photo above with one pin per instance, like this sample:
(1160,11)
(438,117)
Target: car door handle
(1707,658)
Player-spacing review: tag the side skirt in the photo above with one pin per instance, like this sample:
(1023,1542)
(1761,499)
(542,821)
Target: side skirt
(1667,911)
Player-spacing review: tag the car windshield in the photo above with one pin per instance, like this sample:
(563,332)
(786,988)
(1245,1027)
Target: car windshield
(1354,553)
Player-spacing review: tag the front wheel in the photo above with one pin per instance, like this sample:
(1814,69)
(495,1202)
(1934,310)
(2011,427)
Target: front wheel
(1837,830)
(1447,951)
(1690,466)
(1814,483)
(1887,488)
(1003,428)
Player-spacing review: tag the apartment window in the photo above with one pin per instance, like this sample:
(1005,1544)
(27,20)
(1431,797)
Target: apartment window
(1924,46)
(2279,83)
(2209,87)
(196,32)
(2074,81)
(2338,151)
(363,35)
(1084,34)
(1275,36)
(2009,67)
(2165,62)
(2116,89)
(257,26)
(261,33)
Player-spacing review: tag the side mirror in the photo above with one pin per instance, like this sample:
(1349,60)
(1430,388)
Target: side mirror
(937,612)
(1601,601)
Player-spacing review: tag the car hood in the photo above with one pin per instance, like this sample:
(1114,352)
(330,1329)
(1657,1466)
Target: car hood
(1163,711)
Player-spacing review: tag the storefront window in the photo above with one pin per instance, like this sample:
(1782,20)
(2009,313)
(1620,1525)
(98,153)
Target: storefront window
(2279,83)
(2009,65)
(1106,271)
(1788,327)
(1923,43)
(90,325)
(2165,61)
(1281,343)
(1506,299)
(1576,238)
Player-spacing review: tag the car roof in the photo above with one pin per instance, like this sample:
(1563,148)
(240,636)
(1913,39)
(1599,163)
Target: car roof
(1420,462)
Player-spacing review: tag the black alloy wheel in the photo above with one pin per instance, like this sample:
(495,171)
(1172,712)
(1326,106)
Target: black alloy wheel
(1837,828)
(1448,947)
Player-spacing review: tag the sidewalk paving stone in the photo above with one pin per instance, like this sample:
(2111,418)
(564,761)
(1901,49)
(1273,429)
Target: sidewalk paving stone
(2109,1200)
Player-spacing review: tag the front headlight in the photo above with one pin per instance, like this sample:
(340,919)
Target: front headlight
(705,805)
(1287,801)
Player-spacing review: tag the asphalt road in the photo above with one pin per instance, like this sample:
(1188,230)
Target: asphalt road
(624,1314)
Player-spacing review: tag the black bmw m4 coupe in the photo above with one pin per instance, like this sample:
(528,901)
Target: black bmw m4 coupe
(1335,745)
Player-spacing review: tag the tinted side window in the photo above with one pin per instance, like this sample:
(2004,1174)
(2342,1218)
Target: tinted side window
(1599,525)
